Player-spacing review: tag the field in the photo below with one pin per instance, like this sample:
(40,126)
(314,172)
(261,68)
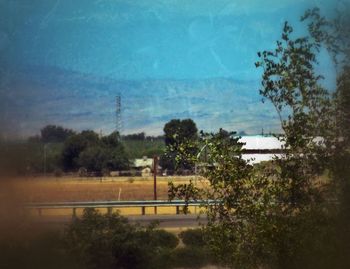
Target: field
(92,189)
(69,189)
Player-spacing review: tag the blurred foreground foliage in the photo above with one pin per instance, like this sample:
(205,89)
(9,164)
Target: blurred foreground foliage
(280,215)
(103,241)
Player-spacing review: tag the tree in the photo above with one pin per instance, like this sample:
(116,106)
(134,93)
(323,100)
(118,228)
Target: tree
(239,202)
(138,136)
(278,217)
(177,133)
(76,144)
(54,133)
(334,35)
(304,108)
(95,154)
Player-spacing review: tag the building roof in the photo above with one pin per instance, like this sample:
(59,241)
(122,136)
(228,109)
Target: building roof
(260,142)
(257,158)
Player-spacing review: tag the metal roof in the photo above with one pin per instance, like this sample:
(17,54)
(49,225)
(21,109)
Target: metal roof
(260,142)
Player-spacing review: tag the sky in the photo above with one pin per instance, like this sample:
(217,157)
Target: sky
(143,40)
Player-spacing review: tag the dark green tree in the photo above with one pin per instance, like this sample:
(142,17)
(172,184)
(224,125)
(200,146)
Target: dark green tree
(54,133)
(88,150)
(177,133)
(76,144)
(137,136)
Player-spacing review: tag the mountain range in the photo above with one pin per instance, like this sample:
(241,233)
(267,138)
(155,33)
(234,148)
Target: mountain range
(34,96)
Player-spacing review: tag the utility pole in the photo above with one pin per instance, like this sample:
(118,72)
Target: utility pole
(45,159)
(155,160)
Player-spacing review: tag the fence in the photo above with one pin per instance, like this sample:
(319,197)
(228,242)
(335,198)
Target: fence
(109,205)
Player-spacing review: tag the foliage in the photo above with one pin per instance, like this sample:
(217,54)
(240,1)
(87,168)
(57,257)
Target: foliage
(54,133)
(85,149)
(75,145)
(138,136)
(109,241)
(177,133)
(193,237)
(239,202)
(95,154)
(290,83)
(147,147)
(43,250)
(333,34)
(277,217)
(167,160)
(27,157)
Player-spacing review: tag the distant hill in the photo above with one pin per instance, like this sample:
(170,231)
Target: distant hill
(35,95)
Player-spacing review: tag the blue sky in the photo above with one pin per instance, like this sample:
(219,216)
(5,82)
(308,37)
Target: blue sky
(139,40)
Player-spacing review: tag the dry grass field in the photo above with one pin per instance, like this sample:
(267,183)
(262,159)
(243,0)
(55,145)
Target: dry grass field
(69,189)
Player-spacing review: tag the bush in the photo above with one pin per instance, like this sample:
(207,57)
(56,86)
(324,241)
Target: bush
(164,239)
(193,238)
(109,241)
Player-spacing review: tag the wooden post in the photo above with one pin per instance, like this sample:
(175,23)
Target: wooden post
(74,212)
(109,210)
(155,160)
(143,208)
(177,210)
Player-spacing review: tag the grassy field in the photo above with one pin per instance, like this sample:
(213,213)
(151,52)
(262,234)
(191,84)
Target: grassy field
(68,189)
(92,189)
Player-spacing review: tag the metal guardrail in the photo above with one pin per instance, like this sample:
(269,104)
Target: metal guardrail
(114,204)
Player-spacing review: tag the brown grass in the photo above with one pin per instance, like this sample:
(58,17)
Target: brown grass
(90,189)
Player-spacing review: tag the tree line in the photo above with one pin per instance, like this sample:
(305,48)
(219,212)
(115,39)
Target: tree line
(58,150)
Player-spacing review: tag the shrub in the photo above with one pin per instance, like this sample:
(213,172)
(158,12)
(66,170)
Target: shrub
(109,241)
(193,238)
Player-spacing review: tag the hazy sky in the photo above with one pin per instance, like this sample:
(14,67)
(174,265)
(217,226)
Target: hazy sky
(150,39)
(137,39)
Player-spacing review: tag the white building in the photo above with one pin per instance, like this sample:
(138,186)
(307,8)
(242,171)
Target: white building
(261,148)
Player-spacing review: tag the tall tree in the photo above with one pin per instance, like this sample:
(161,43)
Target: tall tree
(177,133)
(278,217)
